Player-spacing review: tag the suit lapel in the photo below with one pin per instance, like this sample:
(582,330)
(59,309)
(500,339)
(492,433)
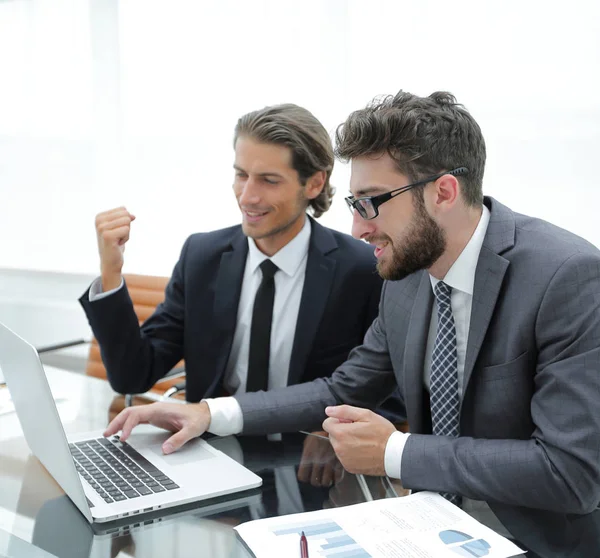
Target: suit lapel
(320,272)
(414,353)
(489,275)
(228,288)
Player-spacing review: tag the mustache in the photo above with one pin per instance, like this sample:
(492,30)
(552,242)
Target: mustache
(377,239)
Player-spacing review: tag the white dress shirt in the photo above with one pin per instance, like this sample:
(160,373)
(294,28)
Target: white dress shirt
(226,415)
(96,292)
(289,282)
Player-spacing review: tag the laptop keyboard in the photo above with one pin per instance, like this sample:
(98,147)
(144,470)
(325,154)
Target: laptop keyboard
(118,472)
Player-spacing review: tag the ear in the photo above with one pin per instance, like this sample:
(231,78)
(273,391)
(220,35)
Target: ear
(315,184)
(447,191)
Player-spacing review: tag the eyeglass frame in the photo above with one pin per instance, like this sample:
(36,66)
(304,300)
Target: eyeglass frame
(376,201)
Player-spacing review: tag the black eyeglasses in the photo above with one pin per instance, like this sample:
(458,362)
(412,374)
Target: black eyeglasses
(368,206)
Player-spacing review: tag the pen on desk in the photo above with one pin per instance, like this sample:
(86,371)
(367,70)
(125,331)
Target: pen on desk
(303,546)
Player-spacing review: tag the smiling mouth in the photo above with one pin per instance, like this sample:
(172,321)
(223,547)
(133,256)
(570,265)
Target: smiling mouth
(380,248)
(254,216)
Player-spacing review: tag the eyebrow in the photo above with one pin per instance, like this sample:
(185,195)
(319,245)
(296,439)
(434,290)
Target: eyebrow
(368,191)
(240,169)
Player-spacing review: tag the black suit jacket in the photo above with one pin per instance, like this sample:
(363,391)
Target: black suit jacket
(198,317)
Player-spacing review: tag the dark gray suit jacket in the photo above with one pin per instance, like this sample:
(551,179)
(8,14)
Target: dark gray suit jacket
(530,415)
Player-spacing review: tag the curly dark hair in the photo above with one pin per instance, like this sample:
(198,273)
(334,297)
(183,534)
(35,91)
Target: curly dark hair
(424,136)
(296,128)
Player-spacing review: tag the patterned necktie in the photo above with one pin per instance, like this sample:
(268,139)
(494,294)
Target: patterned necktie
(260,330)
(443,388)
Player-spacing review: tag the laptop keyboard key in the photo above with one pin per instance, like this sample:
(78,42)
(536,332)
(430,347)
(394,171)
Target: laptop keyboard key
(155,473)
(117,471)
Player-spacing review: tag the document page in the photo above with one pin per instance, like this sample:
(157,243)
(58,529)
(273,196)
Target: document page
(422,525)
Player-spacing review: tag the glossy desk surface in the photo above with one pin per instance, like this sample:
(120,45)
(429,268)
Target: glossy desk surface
(34,508)
(300,473)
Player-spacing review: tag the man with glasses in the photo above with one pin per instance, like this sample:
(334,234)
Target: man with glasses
(489,323)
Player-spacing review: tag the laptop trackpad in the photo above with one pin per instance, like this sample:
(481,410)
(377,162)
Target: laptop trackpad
(190,453)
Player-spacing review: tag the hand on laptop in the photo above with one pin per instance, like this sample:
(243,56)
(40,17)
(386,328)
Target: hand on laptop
(187,421)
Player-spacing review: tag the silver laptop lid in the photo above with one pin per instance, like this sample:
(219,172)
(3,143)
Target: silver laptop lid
(38,415)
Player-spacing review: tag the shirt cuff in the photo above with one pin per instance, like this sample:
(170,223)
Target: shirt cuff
(393,454)
(96,292)
(226,417)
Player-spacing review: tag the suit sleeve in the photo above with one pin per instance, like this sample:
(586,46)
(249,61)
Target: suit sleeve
(373,302)
(558,468)
(137,357)
(364,380)
(393,407)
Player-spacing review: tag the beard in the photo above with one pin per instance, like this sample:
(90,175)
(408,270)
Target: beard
(424,243)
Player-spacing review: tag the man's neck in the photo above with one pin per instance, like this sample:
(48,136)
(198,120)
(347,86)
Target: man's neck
(270,245)
(458,234)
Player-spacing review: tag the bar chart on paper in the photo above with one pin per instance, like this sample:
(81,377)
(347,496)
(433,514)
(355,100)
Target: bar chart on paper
(325,538)
(422,525)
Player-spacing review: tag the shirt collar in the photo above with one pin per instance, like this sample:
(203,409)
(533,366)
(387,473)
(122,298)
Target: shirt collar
(461,275)
(289,258)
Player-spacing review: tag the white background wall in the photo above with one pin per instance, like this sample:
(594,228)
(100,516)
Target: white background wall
(105,103)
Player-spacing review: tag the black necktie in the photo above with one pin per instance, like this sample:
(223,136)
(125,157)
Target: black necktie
(260,332)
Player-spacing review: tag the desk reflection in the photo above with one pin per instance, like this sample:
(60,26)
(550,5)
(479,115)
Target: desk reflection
(60,529)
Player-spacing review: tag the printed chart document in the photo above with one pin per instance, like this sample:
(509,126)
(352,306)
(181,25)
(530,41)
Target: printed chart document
(422,525)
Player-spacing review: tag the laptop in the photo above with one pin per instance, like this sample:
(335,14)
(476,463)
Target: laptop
(105,478)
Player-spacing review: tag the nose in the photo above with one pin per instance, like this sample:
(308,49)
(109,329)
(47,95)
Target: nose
(249,192)
(361,227)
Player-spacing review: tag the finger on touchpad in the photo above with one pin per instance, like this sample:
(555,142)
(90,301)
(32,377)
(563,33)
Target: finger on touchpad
(190,453)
